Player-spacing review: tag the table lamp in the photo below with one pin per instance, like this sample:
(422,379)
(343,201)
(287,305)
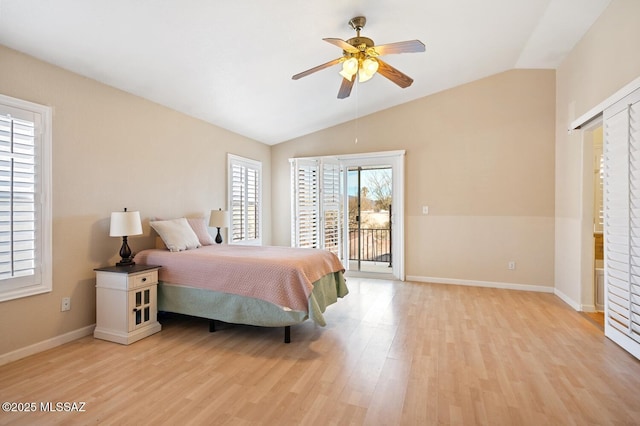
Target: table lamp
(219,219)
(124,224)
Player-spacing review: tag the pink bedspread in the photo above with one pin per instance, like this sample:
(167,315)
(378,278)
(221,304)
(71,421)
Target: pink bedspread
(280,275)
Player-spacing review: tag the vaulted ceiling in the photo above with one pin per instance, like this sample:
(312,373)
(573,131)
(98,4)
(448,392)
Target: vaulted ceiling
(230,63)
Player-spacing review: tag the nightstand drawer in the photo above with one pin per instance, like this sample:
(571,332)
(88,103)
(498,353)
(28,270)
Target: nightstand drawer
(142,280)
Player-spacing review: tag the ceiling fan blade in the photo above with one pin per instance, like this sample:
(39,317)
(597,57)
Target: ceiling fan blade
(318,68)
(394,75)
(345,87)
(408,46)
(341,44)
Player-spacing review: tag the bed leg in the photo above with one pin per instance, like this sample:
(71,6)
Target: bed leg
(287,334)
(212,326)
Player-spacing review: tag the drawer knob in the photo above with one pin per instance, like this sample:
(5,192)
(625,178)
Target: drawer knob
(144,279)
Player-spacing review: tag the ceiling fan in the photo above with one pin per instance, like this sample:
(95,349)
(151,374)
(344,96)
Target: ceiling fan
(360,56)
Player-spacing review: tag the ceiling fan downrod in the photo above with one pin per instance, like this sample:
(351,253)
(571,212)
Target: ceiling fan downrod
(358,23)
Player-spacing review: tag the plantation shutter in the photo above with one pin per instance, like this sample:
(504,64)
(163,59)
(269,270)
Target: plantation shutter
(244,200)
(622,222)
(316,204)
(598,205)
(18,200)
(237,202)
(331,211)
(252,203)
(306,203)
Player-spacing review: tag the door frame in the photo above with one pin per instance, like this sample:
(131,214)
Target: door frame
(359,170)
(585,123)
(587,250)
(394,159)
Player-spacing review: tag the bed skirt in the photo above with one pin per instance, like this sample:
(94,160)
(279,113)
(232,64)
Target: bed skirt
(236,309)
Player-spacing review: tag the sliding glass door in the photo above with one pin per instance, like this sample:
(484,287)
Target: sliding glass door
(351,205)
(369,193)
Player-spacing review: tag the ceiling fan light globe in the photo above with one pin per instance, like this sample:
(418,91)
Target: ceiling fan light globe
(363,76)
(367,70)
(370,66)
(345,75)
(349,68)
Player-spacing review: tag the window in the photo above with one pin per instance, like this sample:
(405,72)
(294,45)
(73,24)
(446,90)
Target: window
(25,201)
(245,200)
(305,232)
(316,206)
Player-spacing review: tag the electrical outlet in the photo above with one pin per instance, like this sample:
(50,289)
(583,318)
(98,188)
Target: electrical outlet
(65,305)
(511,265)
(425,209)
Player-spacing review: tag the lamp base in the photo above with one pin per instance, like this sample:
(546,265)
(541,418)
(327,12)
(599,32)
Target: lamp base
(219,237)
(125,254)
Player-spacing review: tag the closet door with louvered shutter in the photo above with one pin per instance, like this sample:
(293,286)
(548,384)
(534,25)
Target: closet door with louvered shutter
(622,222)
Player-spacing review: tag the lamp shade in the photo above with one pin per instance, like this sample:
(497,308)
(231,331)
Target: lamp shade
(219,219)
(125,223)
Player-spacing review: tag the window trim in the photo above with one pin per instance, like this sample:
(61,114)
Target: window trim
(232,160)
(44,137)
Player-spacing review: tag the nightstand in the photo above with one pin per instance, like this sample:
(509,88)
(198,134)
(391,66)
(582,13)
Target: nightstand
(126,303)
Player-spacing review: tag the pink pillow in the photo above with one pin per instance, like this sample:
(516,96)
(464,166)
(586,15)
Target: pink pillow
(200,228)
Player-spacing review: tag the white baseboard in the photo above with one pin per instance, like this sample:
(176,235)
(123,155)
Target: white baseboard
(490,284)
(508,286)
(569,301)
(46,344)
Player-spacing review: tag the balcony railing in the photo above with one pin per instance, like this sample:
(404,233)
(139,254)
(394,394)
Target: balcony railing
(375,244)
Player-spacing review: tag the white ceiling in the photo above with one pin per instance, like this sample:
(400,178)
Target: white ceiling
(230,62)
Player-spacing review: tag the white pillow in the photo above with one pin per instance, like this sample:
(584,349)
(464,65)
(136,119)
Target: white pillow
(176,234)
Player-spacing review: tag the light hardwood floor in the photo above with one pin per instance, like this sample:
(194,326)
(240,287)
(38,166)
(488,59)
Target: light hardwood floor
(392,354)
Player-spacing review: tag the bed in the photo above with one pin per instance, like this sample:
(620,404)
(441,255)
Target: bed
(253,285)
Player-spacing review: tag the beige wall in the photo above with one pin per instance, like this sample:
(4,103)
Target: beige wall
(481,156)
(110,150)
(605,60)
